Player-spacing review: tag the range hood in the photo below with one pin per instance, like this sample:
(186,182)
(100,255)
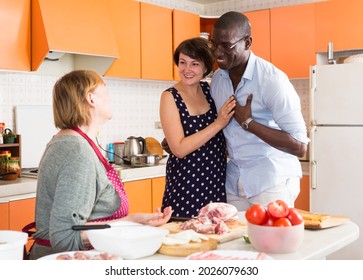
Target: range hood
(69,35)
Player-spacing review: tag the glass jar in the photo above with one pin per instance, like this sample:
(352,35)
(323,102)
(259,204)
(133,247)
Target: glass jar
(10,165)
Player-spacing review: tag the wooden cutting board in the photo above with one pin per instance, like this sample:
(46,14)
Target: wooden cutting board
(152,146)
(188,249)
(237,231)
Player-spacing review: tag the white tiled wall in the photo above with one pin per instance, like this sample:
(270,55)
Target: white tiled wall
(220,7)
(135,103)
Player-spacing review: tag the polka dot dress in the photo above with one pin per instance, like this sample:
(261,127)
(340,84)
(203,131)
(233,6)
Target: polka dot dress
(199,178)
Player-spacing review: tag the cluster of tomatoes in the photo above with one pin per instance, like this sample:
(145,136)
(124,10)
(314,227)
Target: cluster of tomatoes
(277,214)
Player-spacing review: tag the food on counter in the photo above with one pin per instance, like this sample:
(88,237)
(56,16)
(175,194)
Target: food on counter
(313,219)
(85,256)
(277,214)
(184,237)
(213,218)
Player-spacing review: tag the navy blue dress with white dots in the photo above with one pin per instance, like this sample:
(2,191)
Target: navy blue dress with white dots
(199,178)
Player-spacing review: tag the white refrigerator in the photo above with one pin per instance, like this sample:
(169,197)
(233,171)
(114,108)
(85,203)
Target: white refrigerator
(336,147)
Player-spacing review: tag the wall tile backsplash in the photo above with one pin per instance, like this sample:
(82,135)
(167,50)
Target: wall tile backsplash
(134,103)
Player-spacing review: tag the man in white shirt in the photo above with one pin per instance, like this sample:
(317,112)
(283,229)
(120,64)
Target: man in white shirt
(268,133)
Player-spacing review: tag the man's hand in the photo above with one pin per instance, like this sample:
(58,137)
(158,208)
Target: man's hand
(242,113)
(165,146)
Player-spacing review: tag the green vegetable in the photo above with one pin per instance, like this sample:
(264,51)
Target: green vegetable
(247,240)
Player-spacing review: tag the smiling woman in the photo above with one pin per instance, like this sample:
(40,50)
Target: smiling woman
(195,171)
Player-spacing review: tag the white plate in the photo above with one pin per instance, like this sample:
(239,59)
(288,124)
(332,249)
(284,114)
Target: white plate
(229,255)
(90,254)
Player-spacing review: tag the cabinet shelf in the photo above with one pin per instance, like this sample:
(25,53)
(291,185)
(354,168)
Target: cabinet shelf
(14,148)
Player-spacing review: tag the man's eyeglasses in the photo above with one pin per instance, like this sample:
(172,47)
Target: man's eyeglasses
(225,47)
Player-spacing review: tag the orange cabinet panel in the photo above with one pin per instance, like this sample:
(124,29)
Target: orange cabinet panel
(185,25)
(156,43)
(339,21)
(303,200)
(4,215)
(139,194)
(125,17)
(15,35)
(21,213)
(158,186)
(293,39)
(260,32)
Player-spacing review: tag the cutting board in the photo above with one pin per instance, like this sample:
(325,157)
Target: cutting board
(152,146)
(188,249)
(237,231)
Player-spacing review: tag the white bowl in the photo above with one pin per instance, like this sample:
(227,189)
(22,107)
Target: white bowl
(128,240)
(12,244)
(276,240)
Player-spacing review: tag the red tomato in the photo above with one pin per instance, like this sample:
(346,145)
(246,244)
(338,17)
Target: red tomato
(282,222)
(257,214)
(278,209)
(295,217)
(270,221)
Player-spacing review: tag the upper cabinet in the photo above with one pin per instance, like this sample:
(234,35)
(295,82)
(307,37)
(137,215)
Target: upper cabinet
(15,35)
(125,17)
(156,43)
(73,28)
(340,22)
(293,39)
(260,32)
(185,25)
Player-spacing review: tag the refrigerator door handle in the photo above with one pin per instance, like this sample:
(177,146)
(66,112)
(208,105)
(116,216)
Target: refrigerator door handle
(313,174)
(313,162)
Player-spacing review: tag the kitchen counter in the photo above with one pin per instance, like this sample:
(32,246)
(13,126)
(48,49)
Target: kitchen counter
(317,244)
(21,187)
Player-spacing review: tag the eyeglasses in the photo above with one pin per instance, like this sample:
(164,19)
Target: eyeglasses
(225,47)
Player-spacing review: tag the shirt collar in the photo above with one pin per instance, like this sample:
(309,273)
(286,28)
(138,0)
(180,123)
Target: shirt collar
(248,74)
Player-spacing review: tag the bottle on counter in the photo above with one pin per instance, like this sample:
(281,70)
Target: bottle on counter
(111,152)
(2,128)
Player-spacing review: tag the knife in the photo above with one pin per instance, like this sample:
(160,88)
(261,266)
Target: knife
(180,219)
(103,226)
(88,227)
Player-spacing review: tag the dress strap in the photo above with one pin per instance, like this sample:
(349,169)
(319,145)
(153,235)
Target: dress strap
(94,147)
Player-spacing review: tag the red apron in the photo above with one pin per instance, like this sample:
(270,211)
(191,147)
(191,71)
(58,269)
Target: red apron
(115,180)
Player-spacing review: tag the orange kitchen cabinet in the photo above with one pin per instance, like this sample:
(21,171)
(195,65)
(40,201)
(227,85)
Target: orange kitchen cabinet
(15,35)
(21,213)
(303,200)
(4,215)
(293,39)
(260,32)
(125,17)
(139,194)
(156,42)
(158,186)
(185,25)
(340,22)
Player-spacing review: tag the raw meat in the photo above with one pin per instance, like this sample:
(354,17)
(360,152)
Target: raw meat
(211,219)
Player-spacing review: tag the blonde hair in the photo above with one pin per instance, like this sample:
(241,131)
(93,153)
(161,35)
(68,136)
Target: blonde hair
(70,107)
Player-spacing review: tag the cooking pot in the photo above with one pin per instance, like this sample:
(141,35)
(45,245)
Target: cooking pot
(144,160)
(134,146)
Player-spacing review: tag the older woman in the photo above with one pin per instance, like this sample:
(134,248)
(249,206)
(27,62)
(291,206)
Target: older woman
(76,185)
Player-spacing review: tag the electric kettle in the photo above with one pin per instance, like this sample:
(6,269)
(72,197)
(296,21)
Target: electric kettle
(134,146)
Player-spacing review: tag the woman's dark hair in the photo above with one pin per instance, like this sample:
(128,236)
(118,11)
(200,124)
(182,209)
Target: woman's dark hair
(196,48)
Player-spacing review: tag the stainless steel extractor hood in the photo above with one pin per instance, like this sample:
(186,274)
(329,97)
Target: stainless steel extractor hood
(69,35)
